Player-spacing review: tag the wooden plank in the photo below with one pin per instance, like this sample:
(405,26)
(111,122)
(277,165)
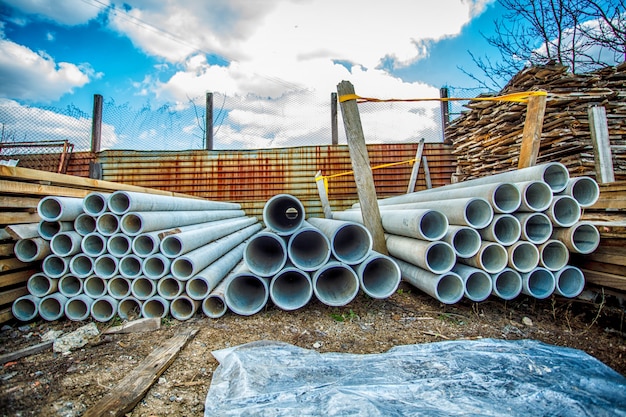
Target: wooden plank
(16,187)
(531,136)
(27,351)
(18,217)
(416,166)
(23,231)
(146,324)
(604,279)
(6,314)
(601,145)
(9,264)
(13,278)
(18,202)
(6,249)
(131,389)
(321,183)
(9,296)
(429,183)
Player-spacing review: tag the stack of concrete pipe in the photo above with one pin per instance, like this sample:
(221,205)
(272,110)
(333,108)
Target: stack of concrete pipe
(504,234)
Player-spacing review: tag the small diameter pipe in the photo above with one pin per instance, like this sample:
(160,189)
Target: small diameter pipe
(52,307)
(26,308)
(81,265)
(202,284)
(183,308)
(246,293)
(335,284)
(536,196)
(491,257)
(47,230)
(55,266)
(265,253)
(119,245)
(379,275)
(156,266)
(582,238)
(214,305)
(108,224)
(350,242)
(584,190)
(53,208)
(523,256)
(104,308)
(135,223)
(447,288)
(477,283)
(564,211)
(122,202)
(66,243)
(118,287)
(40,285)
(31,249)
(94,244)
(78,308)
(553,255)
(535,227)
(70,286)
(106,266)
(539,283)
(291,289)
(85,224)
(143,288)
(94,287)
(504,229)
(146,244)
(308,248)
(155,306)
(436,257)
(129,308)
(170,288)
(130,266)
(96,203)
(570,281)
(465,240)
(507,284)
(283,214)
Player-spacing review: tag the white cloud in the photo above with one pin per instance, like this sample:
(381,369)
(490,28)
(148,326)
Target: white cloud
(66,12)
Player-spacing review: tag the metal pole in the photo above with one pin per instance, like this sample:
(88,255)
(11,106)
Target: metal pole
(208,130)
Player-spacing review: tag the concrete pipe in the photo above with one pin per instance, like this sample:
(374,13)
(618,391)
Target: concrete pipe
(308,248)
(122,202)
(477,283)
(130,266)
(135,223)
(104,308)
(26,307)
(96,203)
(32,249)
(291,289)
(283,214)
(146,244)
(55,266)
(155,306)
(202,284)
(129,308)
(507,284)
(143,288)
(553,255)
(119,245)
(78,308)
(436,257)
(118,287)
(183,308)
(106,266)
(564,211)
(214,306)
(85,224)
(265,253)
(81,265)
(246,293)
(47,230)
(447,288)
(472,211)
(379,275)
(156,266)
(70,286)
(570,281)
(108,224)
(191,263)
(335,284)
(66,243)
(504,229)
(584,190)
(536,196)
(582,238)
(52,307)
(538,283)
(350,242)
(94,287)
(523,256)
(464,240)
(169,287)
(53,208)
(94,244)
(40,285)
(535,227)
(491,257)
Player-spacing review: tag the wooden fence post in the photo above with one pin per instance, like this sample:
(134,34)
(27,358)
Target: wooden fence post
(208,129)
(601,146)
(531,136)
(333,119)
(96,124)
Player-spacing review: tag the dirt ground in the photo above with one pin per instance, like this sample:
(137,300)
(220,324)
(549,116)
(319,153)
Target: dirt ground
(49,384)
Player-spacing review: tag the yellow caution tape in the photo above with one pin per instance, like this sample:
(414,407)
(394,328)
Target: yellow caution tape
(521,97)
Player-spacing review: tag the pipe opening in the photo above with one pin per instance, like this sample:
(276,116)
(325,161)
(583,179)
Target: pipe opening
(308,249)
(283,214)
(70,286)
(585,190)
(450,288)
(336,285)
(433,225)
(380,277)
(554,255)
(129,308)
(440,257)
(213,307)
(506,229)
(246,294)
(538,228)
(351,243)
(94,244)
(171,246)
(143,288)
(54,266)
(538,196)
(51,308)
(493,258)
(524,256)
(197,288)
(131,224)
(76,309)
(466,242)
(39,285)
(50,209)
(154,307)
(291,289)
(507,284)
(108,224)
(81,265)
(27,249)
(130,266)
(556,176)
(540,283)
(585,238)
(182,308)
(478,213)
(119,202)
(85,224)
(182,268)
(565,211)
(119,245)
(105,266)
(265,254)
(169,288)
(102,309)
(95,204)
(144,245)
(507,198)
(25,308)
(95,287)
(48,229)
(478,286)
(155,266)
(570,282)
(119,288)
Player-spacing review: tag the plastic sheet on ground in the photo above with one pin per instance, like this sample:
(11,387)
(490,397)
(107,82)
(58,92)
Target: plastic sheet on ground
(485,377)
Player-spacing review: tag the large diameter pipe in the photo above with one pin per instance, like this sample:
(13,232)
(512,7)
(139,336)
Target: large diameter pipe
(183,307)
(437,257)
(66,243)
(507,284)
(539,283)
(472,211)
(47,230)
(40,285)
(465,240)
(570,281)
(78,308)
(214,305)
(94,287)
(52,307)
(584,190)
(170,288)
(55,266)
(265,253)
(122,202)
(85,224)
(130,266)
(246,293)
(202,284)
(104,308)
(118,287)
(535,227)
(491,257)
(308,248)
(156,266)
(108,224)
(553,255)
(70,286)
(94,244)
(155,306)
(335,284)
(447,288)
(53,208)
(350,242)
(31,249)
(26,307)
(504,229)
(477,283)
(106,266)
(523,256)
(564,211)
(536,196)
(143,288)
(81,265)
(134,223)
(379,275)
(119,245)
(291,289)
(129,308)
(96,203)
(582,238)
(283,214)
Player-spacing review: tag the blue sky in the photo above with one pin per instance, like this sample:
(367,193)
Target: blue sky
(264,52)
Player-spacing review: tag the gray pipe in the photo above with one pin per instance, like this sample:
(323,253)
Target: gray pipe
(491,257)
(26,307)
(437,257)
(477,283)
(134,223)
(191,263)
(536,196)
(31,249)
(129,308)
(53,208)
(379,275)
(66,243)
(335,284)
(40,285)
(122,202)
(118,287)
(52,307)
(104,308)
(183,308)
(108,224)
(523,256)
(169,288)
(283,214)
(214,306)
(155,306)
(55,266)
(94,244)
(291,289)
(202,284)
(464,240)
(130,266)
(143,288)
(265,253)
(106,266)
(156,266)
(553,255)
(507,284)
(538,283)
(350,242)
(582,238)
(85,224)
(447,288)
(246,293)
(535,227)
(119,244)
(47,230)
(564,211)
(94,287)
(96,203)
(472,211)
(584,190)
(504,229)
(70,286)
(78,308)
(570,281)
(308,248)
(81,265)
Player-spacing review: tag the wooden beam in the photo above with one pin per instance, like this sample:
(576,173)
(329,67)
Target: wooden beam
(416,166)
(363,176)
(23,231)
(429,183)
(605,279)
(603,158)
(9,264)
(18,187)
(8,217)
(6,280)
(9,296)
(27,351)
(320,181)
(531,136)
(7,201)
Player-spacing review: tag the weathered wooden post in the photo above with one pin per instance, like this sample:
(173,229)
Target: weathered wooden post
(208,129)
(602,155)
(531,136)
